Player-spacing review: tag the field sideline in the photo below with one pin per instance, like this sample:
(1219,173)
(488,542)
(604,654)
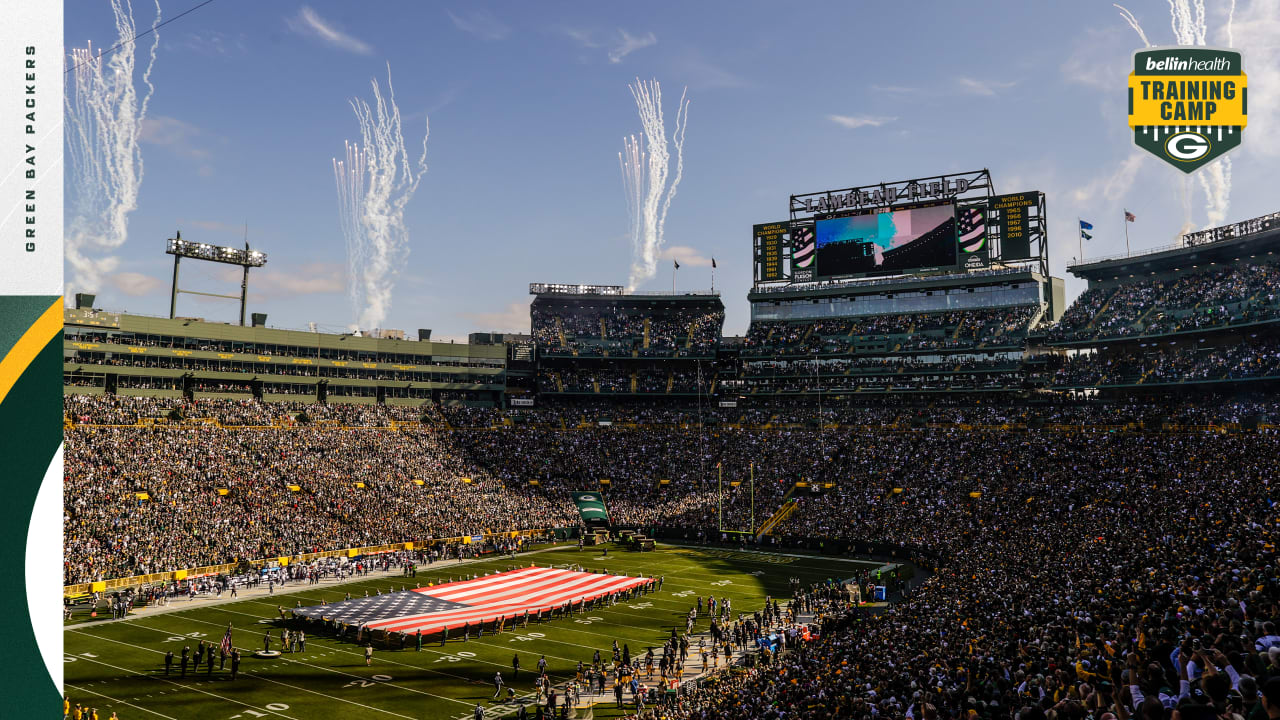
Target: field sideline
(119,665)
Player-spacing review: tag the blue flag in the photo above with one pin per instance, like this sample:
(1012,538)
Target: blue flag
(1084,225)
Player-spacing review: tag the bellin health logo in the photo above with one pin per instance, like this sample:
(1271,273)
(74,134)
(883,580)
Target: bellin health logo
(1188,105)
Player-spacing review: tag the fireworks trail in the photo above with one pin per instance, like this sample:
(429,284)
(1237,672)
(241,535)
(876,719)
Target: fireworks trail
(645,163)
(375,181)
(1133,23)
(103,123)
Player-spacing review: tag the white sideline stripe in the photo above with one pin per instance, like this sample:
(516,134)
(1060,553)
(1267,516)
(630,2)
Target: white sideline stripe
(173,682)
(337,648)
(333,697)
(118,700)
(282,657)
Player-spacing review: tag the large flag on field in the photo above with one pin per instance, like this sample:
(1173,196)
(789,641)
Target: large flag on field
(590,505)
(469,602)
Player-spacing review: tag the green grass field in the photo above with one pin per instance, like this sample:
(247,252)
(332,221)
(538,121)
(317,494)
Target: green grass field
(118,666)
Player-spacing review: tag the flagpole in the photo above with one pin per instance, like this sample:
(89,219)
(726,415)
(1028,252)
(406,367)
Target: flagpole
(753,499)
(1080,236)
(1126,233)
(720,493)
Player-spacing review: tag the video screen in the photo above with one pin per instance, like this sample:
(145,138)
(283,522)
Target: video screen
(885,243)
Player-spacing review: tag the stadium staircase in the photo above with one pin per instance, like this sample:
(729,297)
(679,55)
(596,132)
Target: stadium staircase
(560,331)
(595,386)
(559,382)
(604,333)
(1105,304)
(646,334)
(634,382)
(671,381)
(1142,318)
(788,507)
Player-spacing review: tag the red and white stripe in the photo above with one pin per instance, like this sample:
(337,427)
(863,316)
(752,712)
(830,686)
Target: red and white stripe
(509,594)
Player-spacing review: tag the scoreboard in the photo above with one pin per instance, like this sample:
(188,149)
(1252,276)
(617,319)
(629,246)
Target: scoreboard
(771,240)
(1010,218)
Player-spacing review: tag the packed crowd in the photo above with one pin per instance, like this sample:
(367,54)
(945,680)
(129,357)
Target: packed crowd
(911,331)
(1232,295)
(622,327)
(288,491)
(1082,572)
(1249,360)
(1089,579)
(625,379)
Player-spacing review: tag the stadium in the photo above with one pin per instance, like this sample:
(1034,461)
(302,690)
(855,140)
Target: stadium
(868,505)
(377,403)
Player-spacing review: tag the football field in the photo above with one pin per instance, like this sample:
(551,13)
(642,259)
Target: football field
(119,665)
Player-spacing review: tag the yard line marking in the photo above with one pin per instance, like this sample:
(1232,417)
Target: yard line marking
(358,653)
(124,702)
(282,657)
(185,687)
(353,702)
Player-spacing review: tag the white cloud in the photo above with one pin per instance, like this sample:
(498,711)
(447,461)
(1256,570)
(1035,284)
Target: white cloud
(181,138)
(1256,32)
(136,284)
(685,256)
(629,44)
(482,24)
(986,88)
(585,38)
(1098,60)
(310,279)
(853,122)
(1107,188)
(515,318)
(701,73)
(308,22)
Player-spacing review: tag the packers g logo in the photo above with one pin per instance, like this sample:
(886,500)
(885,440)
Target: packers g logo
(1188,105)
(1187,146)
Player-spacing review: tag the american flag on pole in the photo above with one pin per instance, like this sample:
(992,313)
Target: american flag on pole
(1129,217)
(471,602)
(226,640)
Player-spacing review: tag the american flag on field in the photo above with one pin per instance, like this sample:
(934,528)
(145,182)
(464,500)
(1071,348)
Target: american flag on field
(470,602)
(226,640)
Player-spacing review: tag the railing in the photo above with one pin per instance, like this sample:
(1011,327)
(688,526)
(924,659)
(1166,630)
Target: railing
(1199,239)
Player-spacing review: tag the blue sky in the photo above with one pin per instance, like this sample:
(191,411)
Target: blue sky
(528,105)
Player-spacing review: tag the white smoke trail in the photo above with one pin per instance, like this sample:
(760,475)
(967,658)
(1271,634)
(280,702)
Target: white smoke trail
(375,182)
(1231,19)
(645,171)
(103,124)
(631,162)
(1190,28)
(1133,23)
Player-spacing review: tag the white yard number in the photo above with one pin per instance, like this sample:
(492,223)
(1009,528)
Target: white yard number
(456,657)
(641,606)
(589,620)
(683,593)
(367,683)
(722,583)
(527,637)
(250,712)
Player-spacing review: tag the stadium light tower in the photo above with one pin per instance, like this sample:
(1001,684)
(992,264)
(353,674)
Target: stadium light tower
(245,258)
